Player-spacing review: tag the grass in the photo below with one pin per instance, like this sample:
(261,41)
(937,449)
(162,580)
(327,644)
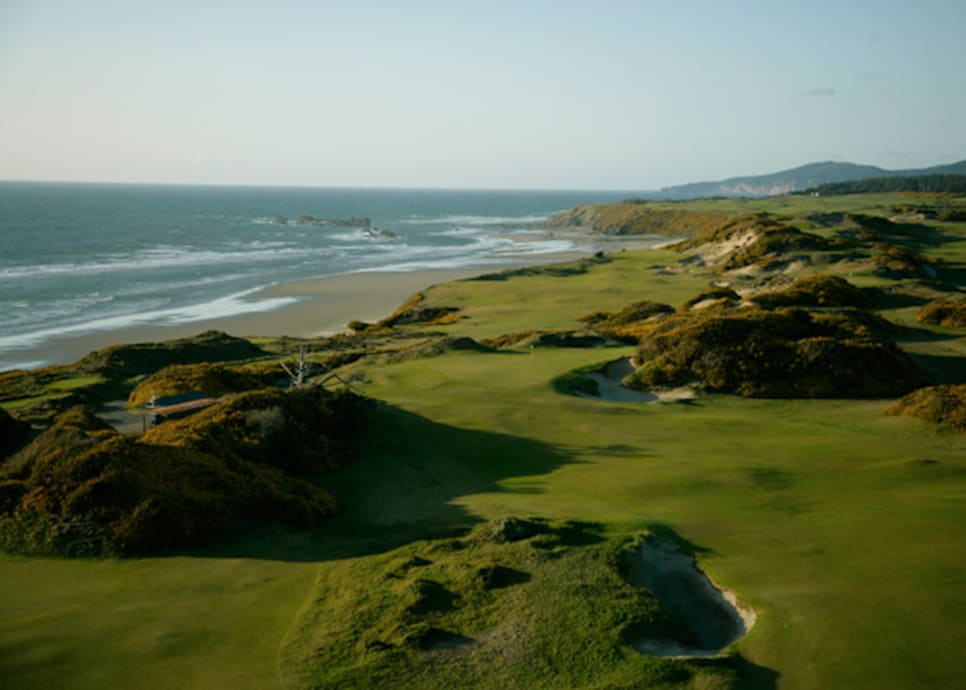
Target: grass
(842,527)
(820,514)
(75,382)
(798,206)
(815,512)
(540,302)
(17,403)
(155,623)
(471,612)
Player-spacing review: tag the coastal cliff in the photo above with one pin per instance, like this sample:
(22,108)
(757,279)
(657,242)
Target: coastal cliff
(634,217)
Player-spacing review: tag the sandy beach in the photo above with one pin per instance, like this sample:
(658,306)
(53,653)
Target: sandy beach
(324,306)
(318,306)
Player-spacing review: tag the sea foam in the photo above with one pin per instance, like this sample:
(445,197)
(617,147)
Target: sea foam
(222,307)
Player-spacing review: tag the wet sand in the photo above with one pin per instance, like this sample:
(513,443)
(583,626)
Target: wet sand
(324,306)
(321,306)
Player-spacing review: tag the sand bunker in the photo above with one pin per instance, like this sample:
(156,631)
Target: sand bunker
(714,252)
(711,615)
(610,389)
(609,385)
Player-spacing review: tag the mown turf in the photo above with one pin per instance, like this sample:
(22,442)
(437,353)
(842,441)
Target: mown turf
(547,302)
(174,622)
(842,527)
(817,513)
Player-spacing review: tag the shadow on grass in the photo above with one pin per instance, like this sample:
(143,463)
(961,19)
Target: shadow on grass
(952,276)
(572,533)
(882,298)
(666,532)
(618,450)
(942,369)
(918,334)
(754,677)
(400,489)
(914,236)
(747,675)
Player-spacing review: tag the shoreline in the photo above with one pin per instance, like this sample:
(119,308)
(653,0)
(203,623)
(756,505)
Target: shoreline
(320,306)
(324,306)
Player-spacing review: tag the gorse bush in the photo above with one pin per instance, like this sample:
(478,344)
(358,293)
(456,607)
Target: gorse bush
(940,404)
(814,291)
(895,261)
(13,432)
(214,380)
(787,352)
(774,244)
(303,430)
(80,488)
(943,313)
(143,358)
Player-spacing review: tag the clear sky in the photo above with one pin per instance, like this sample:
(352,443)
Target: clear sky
(522,94)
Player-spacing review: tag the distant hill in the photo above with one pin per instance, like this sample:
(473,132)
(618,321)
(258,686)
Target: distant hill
(955,184)
(798,179)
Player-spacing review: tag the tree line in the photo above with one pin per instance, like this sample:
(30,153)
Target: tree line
(913,183)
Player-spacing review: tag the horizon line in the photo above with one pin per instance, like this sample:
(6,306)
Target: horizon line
(635,190)
(324,186)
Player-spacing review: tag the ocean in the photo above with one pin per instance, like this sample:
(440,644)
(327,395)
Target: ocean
(83,258)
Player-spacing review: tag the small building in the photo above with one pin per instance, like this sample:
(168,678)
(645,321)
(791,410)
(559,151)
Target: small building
(161,410)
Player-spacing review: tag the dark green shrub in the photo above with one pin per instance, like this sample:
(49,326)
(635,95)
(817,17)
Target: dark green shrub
(122,361)
(82,489)
(943,313)
(13,432)
(814,291)
(779,353)
(940,404)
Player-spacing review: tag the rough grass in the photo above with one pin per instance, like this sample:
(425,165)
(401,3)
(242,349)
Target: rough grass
(122,361)
(13,432)
(19,403)
(784,353)
(18,386)
(939,404)
(544,338)
(814,291)
(784,493)
(487,610)
(214,380)
(75,382)
(776,244)
(896,261)
(545,301)
(110,373)
(622,324)
(412,311)
(82,489)
(557,270)
(943,313)
(640,218)
(838,524)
